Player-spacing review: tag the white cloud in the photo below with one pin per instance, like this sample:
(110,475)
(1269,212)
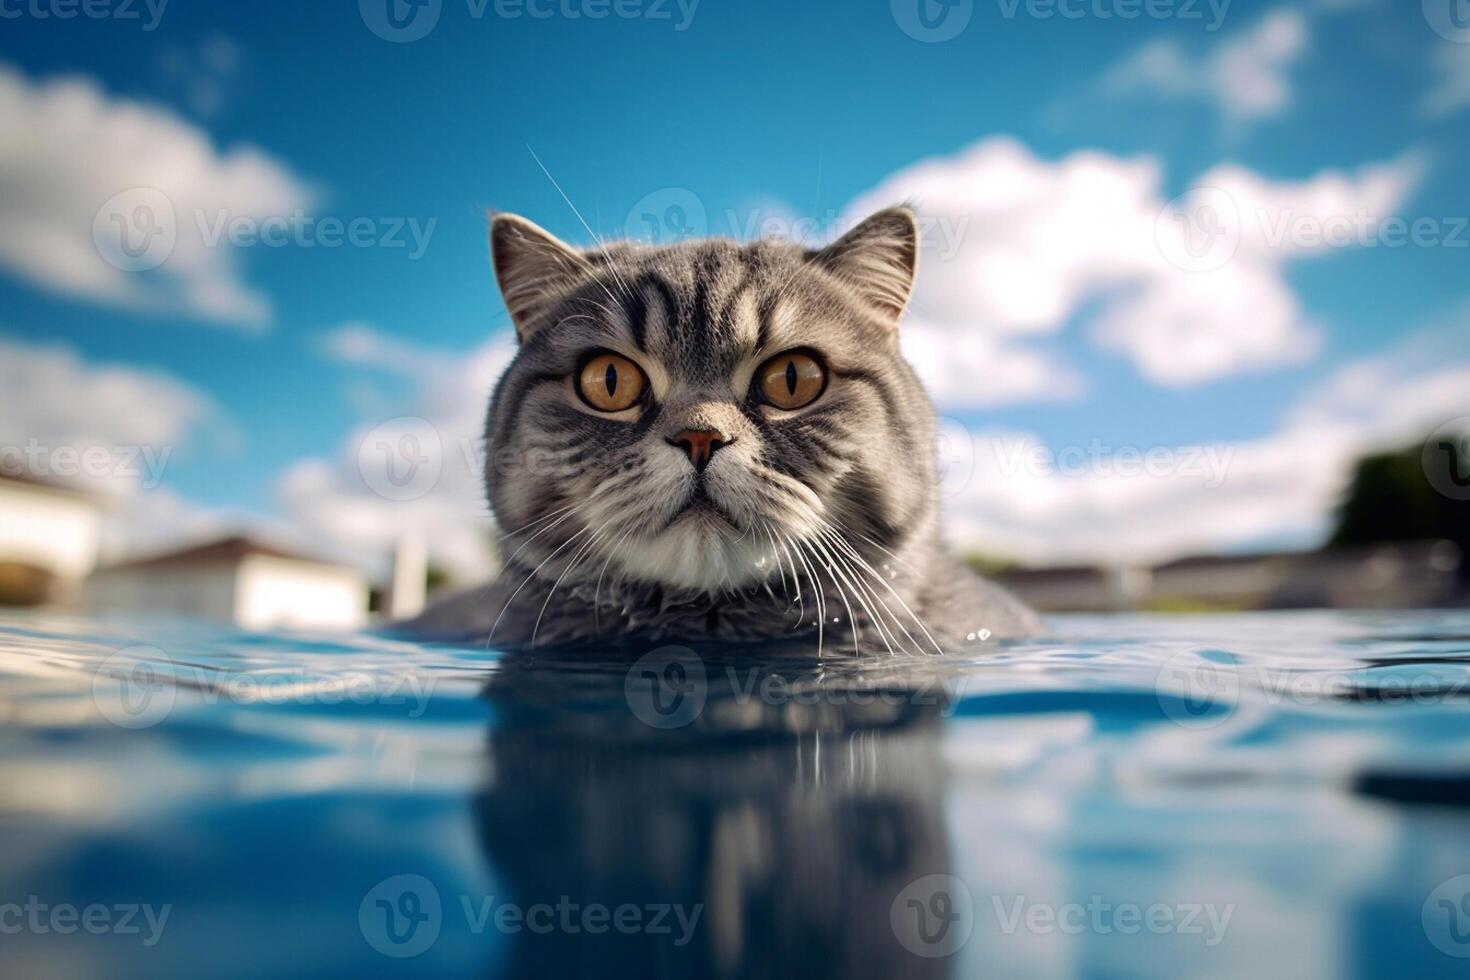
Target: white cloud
(54,400)
(1016,247)
(1451,92)
(337,501)
(1246,76)
(980,370)
(111,429)
(1053,504)
(67,151)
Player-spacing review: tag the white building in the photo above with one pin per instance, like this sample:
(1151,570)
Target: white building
(238,580)
(48,539)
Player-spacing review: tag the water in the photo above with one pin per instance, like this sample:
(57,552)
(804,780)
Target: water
(1283,795)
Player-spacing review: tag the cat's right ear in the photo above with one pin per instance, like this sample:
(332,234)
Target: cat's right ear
(534,269)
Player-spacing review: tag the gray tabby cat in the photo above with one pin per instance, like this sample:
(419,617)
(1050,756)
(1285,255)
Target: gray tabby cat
(712,441)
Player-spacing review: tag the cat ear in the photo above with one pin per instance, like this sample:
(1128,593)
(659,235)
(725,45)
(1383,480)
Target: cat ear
(533,267)
(878,258)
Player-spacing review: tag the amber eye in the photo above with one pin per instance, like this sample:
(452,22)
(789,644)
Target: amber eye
(611,383)
(791,380)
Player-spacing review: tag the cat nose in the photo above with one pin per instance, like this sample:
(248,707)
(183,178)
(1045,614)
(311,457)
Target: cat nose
(700,444)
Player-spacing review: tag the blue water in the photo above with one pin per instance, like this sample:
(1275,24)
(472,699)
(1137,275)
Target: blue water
(1279,795)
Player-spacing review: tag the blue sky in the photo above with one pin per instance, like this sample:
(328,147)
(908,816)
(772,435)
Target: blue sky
(766,111)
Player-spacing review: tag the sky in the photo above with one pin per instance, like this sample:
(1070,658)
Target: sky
(1182,261)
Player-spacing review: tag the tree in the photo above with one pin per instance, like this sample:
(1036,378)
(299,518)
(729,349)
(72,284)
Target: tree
(1421,493)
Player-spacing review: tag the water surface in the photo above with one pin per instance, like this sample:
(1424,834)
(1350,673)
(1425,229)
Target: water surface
(1276,795)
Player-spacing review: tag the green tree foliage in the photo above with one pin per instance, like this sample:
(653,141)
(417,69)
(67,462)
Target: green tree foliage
(1414,494)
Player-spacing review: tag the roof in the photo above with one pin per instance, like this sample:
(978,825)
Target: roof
(225,551)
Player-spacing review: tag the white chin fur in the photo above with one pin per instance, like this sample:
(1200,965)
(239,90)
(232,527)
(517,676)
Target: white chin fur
(699,553)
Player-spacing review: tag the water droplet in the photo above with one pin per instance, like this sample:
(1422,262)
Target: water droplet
(985,634)
(970,636)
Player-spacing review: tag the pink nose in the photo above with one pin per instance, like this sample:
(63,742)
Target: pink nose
(700,444)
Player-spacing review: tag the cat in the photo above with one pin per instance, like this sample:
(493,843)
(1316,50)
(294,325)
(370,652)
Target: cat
(716,441)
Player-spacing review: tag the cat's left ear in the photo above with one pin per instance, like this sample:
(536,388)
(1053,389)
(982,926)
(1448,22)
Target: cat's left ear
(534,268)
(878,259)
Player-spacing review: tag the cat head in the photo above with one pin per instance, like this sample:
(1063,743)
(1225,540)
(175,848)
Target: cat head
(680,415)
